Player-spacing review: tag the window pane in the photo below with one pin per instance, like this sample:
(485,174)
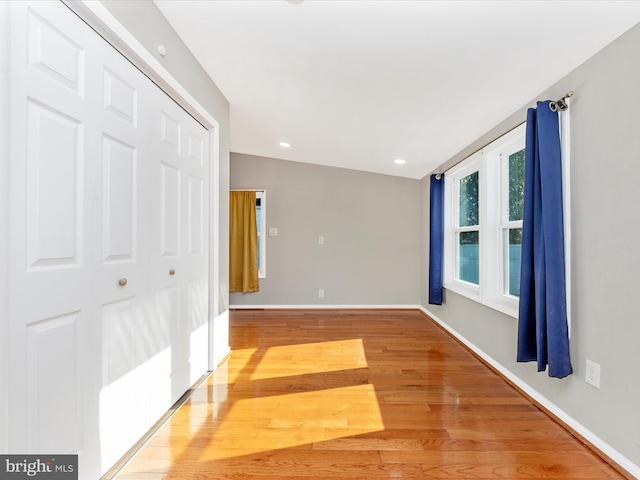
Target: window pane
(469,200)
(516,185)
(468,257)
(512,252)
(259,228)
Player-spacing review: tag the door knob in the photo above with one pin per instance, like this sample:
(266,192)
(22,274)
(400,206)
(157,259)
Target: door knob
(172,272)
(122,282)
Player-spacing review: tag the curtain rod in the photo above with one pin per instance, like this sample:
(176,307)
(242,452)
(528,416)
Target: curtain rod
(558,105)
(439,174)
(247,190)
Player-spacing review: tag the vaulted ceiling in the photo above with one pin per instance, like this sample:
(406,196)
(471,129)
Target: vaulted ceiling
(358,83)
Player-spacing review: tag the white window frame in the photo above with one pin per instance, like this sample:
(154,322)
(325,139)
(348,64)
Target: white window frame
(490,163)
(451,205)
(495,216)
(262,233)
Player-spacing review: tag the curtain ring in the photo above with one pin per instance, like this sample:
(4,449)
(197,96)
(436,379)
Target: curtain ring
(558,105)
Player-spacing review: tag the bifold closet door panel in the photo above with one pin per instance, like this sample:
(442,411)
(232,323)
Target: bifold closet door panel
(165,255)
(196,253)
(121,256)
(52,300)
(179,251)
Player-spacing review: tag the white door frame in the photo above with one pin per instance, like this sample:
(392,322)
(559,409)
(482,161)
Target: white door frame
(101,20)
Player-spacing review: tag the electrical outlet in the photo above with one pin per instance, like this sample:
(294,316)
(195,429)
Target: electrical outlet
(321,293)
(321,240)
(592,376)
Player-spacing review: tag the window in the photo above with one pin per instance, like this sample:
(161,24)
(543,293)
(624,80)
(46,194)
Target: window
(462,237)
(511,222)
(483,223)
(468,229)
(261,200)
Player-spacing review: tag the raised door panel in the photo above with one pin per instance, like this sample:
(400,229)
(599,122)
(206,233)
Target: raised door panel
(119,202)
(196,172)
(54,384)
(196,146)
(195,217)
(170,129)
(53,53)
(170,215)
(120,96)
(161,327)
(54,188)
(197,328)
(122,420)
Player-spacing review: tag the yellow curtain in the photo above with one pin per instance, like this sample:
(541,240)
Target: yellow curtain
(243,243)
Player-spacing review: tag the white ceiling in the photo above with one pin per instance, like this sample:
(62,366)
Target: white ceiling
(358,83)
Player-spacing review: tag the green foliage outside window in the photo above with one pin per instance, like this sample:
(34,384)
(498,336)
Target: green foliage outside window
(516,194)
(469,201)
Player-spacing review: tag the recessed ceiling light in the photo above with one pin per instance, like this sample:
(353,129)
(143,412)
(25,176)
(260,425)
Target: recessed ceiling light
(399,161)
(284,144)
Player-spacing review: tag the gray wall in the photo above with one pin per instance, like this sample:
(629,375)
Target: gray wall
(370,222)
(605,184)
(145,22)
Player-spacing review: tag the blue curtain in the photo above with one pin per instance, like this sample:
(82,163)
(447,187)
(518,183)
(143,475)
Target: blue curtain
(542,322)
(436,239)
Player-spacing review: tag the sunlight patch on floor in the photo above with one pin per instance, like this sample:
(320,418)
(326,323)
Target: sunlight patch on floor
(288,421)
(308,358)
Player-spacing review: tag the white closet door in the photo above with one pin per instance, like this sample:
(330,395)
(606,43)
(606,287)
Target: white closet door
(109,243)
(121,255)
(166,252)
(179,253)
(52,300)
(196,249)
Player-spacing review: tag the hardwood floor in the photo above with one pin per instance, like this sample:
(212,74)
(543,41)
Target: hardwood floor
(357,395)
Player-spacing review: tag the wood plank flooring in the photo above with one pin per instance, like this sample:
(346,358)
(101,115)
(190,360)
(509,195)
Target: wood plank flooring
(361,395)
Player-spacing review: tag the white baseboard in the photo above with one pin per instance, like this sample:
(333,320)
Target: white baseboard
(588,435)
(324,307)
